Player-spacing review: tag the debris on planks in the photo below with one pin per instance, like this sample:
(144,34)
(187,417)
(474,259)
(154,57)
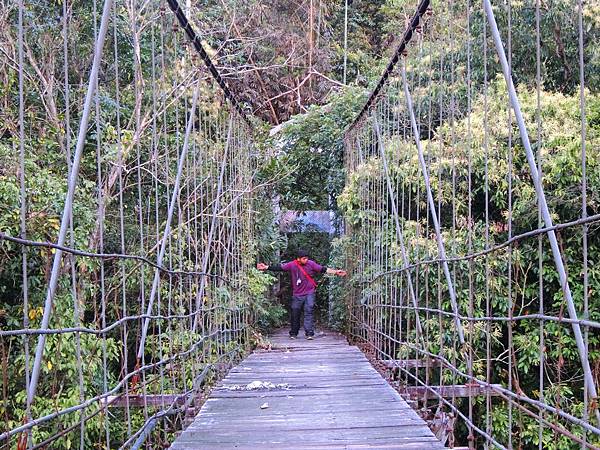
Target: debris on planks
(257,385)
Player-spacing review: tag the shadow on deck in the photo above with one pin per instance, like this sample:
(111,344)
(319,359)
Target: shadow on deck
(319,394)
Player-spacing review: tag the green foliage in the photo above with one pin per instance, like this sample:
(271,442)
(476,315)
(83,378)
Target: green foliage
(559,41)
(270,314)
(338,310)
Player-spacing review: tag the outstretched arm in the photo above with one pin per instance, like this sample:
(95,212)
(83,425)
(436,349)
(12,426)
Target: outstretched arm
(272,267)
(338,272)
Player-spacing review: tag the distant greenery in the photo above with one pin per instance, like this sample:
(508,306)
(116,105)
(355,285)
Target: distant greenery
(311,146)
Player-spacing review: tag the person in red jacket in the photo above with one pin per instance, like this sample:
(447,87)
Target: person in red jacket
(302,270)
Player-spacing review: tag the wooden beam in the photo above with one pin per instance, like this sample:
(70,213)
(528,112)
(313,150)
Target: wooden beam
(410,363)
(456,390)
(120,401)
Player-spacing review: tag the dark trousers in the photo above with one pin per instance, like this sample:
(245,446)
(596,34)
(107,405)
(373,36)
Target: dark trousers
(306,302)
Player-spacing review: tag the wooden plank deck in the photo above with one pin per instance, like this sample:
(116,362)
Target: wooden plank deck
(324,395)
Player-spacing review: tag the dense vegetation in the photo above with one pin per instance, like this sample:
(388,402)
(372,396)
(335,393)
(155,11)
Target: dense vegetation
(285,61)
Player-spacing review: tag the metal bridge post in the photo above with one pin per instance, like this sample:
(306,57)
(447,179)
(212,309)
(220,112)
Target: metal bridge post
(65,220)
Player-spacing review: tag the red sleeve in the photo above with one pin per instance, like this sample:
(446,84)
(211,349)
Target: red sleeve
(287,266)
(316,267)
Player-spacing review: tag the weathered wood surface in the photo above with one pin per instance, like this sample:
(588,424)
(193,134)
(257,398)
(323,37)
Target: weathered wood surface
(326,396)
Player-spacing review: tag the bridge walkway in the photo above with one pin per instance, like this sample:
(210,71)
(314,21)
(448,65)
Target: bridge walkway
(301,394)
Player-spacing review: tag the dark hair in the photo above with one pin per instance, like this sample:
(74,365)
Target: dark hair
(301,253)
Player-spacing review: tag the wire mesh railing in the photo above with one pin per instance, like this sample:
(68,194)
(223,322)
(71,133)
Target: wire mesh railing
(128,187)
(472,219)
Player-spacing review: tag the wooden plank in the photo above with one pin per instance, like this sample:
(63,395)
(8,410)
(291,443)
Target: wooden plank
(292,405)
(320,392)
(351,414)
(358,434)
(294,377)
(121,401)
(388,445)
(450,391)
(410,363)
(290,422)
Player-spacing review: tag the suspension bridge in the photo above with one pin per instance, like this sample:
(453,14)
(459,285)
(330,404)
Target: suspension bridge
(471,292)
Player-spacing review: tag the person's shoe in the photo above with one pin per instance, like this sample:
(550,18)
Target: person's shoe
(293,336)
(310,337)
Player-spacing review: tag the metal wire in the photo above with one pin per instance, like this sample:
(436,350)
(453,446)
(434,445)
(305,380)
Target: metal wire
(408,34)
